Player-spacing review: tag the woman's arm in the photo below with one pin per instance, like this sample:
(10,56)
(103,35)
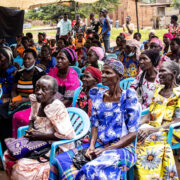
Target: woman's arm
(14,92)
(145,119)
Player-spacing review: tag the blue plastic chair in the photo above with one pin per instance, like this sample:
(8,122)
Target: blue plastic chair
(100,85)
(125,84)
(80,122)
(76,94)
(1,155)
(170,136)
(78,70)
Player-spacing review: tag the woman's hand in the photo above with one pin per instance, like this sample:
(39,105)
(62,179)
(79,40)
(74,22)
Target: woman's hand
(33,134)
(99,151)
(90,153)
(15,104)
(144,133)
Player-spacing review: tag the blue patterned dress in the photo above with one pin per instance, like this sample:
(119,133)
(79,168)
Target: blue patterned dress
(114,121)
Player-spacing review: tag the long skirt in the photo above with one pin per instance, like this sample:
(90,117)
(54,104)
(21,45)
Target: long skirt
(110,165)
(155,159)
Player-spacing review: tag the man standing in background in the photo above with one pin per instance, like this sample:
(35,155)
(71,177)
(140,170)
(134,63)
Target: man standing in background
(64,27)
(128,28)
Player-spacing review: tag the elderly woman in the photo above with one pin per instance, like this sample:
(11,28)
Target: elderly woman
(130,58)
(174,55)
(154,156)
(49,121)
(147,79)
(66,76)
(24,84)
(91,77)
(46,61)
(7,72)
(114,118)
(95,56)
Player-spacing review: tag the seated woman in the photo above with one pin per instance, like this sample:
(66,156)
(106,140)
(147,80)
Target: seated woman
(91,77)
(114,117)
(24,84)
(46,61)
(49,121)
(154,156)
(174,55)
(147,79)
(66,76)
(7,72)
(95,56)
(130,58)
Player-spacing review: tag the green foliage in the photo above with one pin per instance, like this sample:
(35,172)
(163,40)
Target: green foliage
(176,4)
(53,11)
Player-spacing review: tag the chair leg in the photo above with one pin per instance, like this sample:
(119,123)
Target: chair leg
(1,155)
(130,174)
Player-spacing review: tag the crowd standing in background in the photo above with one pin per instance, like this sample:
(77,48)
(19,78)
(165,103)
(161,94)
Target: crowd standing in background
(38,81)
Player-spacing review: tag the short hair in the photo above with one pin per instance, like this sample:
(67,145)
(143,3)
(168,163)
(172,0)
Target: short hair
(91,14)
(53,80)
(29,35)
(24,38)
(95,35)
(176,40)
(64,40)
(174,67)
(46,46)
(29,50)
(40,33)
(174,17)
(96,41)
(138,34)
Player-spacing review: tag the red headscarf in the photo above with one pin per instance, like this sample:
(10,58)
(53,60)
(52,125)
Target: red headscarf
(96,73)
(168,35)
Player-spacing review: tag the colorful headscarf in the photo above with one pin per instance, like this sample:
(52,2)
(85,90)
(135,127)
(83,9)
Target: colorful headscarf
(99,51)
(96,73)
(7,52)
(134,43)
(157,41)
(168,35)
(71,55)
(116,65)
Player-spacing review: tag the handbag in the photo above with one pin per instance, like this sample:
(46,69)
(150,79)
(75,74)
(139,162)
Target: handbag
(22,147)
(80,159)
(139,89)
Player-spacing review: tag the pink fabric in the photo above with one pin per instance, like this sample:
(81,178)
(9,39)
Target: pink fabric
(99,51)
(168,35)
(157,41)
(20,118)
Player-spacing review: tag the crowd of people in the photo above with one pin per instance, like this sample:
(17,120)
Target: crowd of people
(38,81)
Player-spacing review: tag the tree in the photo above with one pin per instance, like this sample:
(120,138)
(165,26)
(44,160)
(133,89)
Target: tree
(53,11)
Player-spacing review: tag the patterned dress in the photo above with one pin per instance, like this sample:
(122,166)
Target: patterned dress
(114,120)
(57,122)
(155,158)
(148,89)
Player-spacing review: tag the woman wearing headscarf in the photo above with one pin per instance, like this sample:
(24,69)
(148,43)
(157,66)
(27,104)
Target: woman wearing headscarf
(167,39)
(65,75)
(155,158)
(156,44)
(114,119)
(147,79)
(130,58)
(7,72)
(95,56)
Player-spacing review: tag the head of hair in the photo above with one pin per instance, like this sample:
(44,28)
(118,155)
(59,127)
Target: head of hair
(46,46)
(53,81)
(29,50)
(24,38)
(29,35)
(153,55)
(174,17)
(64,40)
(174,68)
(40,34)
(7,52)
(95,35)
(138,34)
(96,42)
(176,40)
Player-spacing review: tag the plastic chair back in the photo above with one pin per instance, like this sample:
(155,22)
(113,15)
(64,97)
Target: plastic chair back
(76,94)
(100,85)
(1,155)
(1,91)
(78,70)
(125,84)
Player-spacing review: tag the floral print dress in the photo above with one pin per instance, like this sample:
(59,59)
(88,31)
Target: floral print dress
(155,158)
